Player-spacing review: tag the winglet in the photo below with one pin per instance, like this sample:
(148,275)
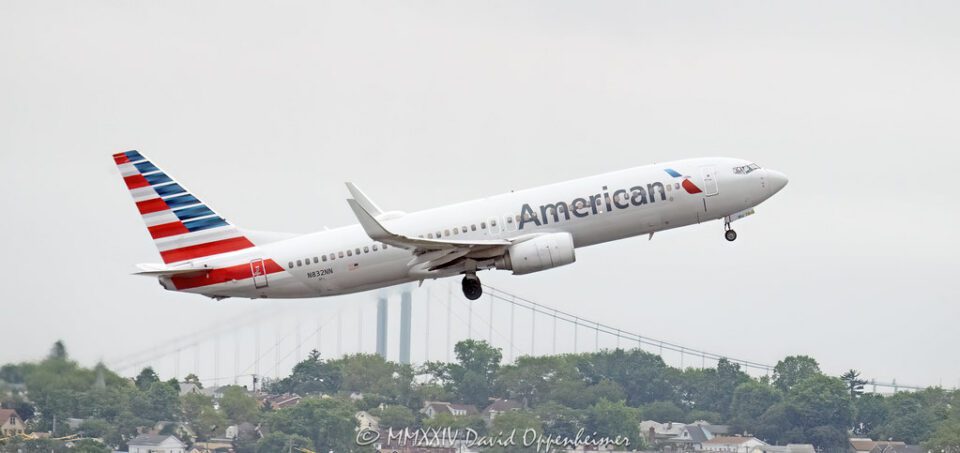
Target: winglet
(364,201)
(370,225)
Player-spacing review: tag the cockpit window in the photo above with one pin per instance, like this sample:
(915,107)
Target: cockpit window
(745,169)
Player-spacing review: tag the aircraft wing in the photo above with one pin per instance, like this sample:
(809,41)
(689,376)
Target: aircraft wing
(378,232)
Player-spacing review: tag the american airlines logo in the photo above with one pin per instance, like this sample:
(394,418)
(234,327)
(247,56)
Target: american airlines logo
(587,206)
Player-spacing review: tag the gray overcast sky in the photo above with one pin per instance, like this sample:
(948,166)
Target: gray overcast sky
(264,109)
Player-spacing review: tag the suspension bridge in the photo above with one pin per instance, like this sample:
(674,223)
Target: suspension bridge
(242,347)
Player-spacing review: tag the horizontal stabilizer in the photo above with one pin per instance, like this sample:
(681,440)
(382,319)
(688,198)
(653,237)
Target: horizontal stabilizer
(159,270)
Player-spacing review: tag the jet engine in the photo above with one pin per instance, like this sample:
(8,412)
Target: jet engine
(537,254)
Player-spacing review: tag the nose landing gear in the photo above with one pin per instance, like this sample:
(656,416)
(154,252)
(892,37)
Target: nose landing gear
(729,234)
(471,287)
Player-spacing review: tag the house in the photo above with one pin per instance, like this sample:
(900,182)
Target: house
(497,407)
(434,408)
(11,423)
(152,443)
(658,433)
(187,388)
(281,401)
(367,422)
(789,448)
(863,445)
(734,444)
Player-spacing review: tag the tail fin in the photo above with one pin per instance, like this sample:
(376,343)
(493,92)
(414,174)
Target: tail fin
(183,227)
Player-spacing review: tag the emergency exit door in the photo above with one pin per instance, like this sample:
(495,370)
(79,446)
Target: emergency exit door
(709,173)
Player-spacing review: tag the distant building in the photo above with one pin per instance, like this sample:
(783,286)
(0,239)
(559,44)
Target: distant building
(367,422)
(281,401)
(733,444)
(863,445)
(498,407)
(187,388)
(433,408)
(789,448)
(151,443)
(11,423)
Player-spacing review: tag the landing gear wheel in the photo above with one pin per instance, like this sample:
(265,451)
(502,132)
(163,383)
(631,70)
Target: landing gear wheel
(730,235)
(471,287)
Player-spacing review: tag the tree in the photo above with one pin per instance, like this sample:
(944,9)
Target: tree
(396,417)
(278,442)
(518,423)
(472,377)
(560,420)
(662,411)
(612,420)
(793,369)
(871,412)
(854,383)
(311,376)
(461,422)
(200,414)
(945,439)
(193,379)
(327,422)
(238,405)
(146,378)
(822,407)
(532,379)
(750,401)
(58,351)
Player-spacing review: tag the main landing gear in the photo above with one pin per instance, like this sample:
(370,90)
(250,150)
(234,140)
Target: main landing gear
(729,233)
(471,287)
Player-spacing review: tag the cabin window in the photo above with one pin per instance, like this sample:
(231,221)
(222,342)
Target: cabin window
(340,254)
(357,250)
(324,257)
(510,220)
(456,230)
(315,260)
(677,186)
(299,263)
(384,246)
(349,252)
(669,187)
(290,265)
(375,247)
(446,232)
(483,225)
(473,227)
(438,235)
(430,235)
(366,250)
(493,223)
(463,228)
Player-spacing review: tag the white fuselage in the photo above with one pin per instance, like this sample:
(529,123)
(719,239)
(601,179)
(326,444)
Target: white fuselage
(327,263)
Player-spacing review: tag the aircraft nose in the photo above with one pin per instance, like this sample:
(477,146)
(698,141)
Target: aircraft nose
(775,181)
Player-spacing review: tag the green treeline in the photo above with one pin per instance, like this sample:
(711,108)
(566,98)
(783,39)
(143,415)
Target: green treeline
(607,392)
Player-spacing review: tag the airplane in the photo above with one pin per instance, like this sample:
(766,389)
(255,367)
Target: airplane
(523,231)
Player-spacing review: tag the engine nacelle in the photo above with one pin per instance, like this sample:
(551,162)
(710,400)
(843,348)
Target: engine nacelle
(537,254)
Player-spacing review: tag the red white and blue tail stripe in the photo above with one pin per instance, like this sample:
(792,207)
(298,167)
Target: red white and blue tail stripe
(183,228)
